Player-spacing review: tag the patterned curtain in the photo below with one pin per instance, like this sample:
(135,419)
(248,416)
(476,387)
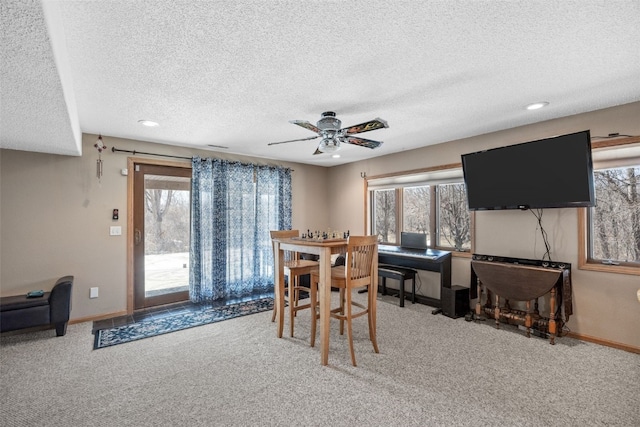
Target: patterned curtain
(233,207)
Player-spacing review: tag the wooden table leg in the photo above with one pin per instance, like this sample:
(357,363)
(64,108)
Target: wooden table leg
(552,316)
(527,319)
(279,287)
(497,312)
(324,289)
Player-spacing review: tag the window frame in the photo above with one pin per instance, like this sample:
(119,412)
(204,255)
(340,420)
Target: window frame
(585,260)
(404,179)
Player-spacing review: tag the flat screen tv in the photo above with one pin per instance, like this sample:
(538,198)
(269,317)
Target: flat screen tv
(549,173)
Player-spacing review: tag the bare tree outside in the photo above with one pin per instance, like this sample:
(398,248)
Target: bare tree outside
(416,203)
(157,203)
(165,225)
(454,223)
(615,221)
(385,215)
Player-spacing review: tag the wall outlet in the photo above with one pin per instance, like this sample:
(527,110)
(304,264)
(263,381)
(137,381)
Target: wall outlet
(93,293)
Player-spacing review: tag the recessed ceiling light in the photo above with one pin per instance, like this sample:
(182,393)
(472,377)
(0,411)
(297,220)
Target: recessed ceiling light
(149,123)
(336,156)
(537,105)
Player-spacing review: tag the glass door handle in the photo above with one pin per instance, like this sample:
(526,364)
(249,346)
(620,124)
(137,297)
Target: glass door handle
(137,236)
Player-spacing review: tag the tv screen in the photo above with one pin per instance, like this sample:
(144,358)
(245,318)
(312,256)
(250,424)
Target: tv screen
(549,173)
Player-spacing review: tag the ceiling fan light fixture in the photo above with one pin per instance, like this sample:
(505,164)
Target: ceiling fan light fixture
(329,121)
(329,145)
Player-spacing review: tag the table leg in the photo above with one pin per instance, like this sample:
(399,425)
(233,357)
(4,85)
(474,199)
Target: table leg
(552,316)
(324,289)
(279,286)
(527,319)
(479,301)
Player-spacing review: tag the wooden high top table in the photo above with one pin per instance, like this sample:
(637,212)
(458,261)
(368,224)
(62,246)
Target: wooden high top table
(324,249)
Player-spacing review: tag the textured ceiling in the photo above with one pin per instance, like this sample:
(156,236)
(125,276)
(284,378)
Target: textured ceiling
(233,73)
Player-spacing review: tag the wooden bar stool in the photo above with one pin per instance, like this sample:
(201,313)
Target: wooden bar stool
(358,272)
(294,268)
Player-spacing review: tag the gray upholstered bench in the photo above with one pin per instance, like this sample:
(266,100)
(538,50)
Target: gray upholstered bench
(52,308)
(400,274)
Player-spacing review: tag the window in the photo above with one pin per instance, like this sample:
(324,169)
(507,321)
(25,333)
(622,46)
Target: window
(454,222)
(433,202)
(610,231)
(384,203)
(615,222)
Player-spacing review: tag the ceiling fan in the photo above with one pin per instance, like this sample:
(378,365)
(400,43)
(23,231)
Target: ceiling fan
(328,128)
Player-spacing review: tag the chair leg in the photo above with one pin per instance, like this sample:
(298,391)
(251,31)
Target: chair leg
(296,293)
(371,315)
(314,291)
(342,293)
(349,326)
(293,303)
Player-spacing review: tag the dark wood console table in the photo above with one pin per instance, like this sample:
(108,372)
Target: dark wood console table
(523,280)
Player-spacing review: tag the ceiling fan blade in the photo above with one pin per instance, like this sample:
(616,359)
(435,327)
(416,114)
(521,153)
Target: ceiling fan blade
(374,124)
(305,124)
(294,140)
(363,142)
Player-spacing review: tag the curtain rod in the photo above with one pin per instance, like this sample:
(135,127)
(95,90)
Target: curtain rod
(134,152)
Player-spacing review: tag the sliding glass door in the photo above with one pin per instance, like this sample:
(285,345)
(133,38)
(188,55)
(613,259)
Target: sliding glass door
(161,216)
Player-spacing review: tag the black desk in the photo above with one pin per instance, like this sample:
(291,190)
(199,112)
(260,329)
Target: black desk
(429,260)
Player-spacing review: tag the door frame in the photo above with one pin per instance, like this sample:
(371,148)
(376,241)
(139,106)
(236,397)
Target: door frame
(131,161)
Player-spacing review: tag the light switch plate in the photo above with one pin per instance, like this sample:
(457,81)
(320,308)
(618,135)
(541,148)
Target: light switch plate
(93,293)
(115,230)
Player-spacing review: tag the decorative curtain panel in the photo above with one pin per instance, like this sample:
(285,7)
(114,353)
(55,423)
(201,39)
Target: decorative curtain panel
(233,207)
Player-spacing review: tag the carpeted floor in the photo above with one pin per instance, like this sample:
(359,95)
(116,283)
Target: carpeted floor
(431,371)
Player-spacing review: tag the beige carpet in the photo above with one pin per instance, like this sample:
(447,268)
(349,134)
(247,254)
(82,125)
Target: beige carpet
(431,371)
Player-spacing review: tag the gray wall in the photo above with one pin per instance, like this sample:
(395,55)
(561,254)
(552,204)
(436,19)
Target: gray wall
(605,304)
(55,218)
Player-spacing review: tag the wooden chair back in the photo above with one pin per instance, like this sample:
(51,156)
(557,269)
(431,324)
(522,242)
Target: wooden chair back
(361,251)
(286,234)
